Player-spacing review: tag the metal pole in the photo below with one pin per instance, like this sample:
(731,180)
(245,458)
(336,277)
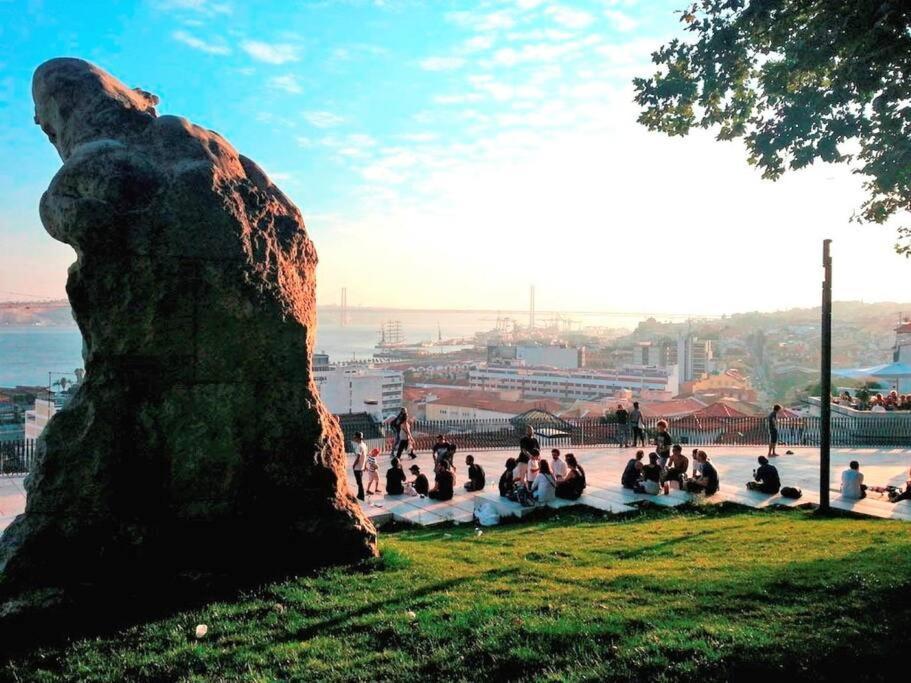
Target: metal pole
(825,401)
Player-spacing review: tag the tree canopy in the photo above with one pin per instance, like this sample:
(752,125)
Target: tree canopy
(799,81)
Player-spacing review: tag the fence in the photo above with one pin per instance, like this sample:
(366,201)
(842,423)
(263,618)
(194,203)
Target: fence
(17,457)
(477,435)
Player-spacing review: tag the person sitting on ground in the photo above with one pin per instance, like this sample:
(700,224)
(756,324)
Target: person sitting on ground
(852,482)
(663,443)
(651,476)
(534,466)
(902,495)
(476,479)
(520,473)
(633,471)
(395,478)
(558,467)
(766,478)
(707,480)
(419,484)
(505,484)
(544,488)
(677,466)
(573,483)
(443,483)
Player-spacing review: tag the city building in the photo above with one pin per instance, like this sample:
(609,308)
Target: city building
(558,356)
(586,385)
(728,384)
(37,418)
(438,403)
(357,388)
(695,357)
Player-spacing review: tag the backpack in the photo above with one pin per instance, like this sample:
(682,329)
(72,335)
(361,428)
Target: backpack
(791,492)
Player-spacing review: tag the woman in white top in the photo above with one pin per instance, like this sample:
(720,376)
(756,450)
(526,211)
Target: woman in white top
(544,488)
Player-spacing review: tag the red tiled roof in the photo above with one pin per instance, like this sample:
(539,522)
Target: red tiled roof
(719,409)
(673,408)
(904,328)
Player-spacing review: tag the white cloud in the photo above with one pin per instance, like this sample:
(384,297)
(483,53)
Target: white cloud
(569,17)
(199,44)
(441,63)
(621,21)
(460,98)
(200,6)
(271,53)
(478,43)
(323,119)
(480,21)
(286,82)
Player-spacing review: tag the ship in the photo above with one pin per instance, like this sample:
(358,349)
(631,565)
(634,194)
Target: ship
(390,336)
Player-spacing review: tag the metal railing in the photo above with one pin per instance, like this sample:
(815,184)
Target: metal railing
(17,457)
(498,434)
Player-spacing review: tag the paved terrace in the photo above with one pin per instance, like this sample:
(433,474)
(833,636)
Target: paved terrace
(603,466)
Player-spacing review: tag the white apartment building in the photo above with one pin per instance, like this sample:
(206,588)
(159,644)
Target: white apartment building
(536,355)
(358,388)
(585,385)
(37,418)
(695,357)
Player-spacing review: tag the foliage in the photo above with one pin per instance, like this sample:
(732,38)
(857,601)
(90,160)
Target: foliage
(800,81)
(698,595)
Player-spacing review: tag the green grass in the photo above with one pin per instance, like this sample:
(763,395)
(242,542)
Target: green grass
(663,596)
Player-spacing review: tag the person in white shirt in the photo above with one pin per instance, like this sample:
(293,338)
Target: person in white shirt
(558,466)
(852,482)
(544,488)
(360,460)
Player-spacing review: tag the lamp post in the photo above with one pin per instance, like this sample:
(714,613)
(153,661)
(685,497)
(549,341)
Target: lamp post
(825,401)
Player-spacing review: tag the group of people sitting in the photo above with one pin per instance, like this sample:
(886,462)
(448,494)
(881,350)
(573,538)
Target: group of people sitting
(444,471)
(530,479)
(876,403)
(657,474)
(853,487)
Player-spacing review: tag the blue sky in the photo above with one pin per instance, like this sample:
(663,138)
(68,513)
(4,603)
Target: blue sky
(449,154)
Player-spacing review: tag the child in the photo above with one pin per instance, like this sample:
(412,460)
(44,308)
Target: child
(373,471)
(663,443)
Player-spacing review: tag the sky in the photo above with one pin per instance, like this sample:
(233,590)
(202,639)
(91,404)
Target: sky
(451,154)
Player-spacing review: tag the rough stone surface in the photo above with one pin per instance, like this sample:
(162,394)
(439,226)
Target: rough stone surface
(197,442)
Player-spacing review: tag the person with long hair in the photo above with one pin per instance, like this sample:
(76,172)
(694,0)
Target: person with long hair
(544,487)
(573,483)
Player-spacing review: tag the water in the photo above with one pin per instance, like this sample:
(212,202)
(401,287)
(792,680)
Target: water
(29,353)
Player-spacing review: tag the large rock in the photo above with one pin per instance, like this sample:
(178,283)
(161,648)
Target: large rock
(197,443)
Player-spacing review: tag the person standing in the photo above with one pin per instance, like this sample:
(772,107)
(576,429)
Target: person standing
(395,423)
(773,430)
(405,438)
(529,444)
(360,461)
(622,417)
(663,443)
(638,425)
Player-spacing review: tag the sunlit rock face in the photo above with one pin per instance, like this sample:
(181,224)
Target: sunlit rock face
(197,442)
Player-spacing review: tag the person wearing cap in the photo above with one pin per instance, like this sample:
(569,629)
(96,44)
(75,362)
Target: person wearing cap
(419,484)
(360,461)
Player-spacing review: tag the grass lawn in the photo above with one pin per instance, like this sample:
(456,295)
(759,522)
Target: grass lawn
(696,595)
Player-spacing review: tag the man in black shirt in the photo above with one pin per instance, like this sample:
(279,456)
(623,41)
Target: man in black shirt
(766,477)
(633,471)
(622,426)
(420,483)
(476,479)
(707,480)
(528,443)
(663,443)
